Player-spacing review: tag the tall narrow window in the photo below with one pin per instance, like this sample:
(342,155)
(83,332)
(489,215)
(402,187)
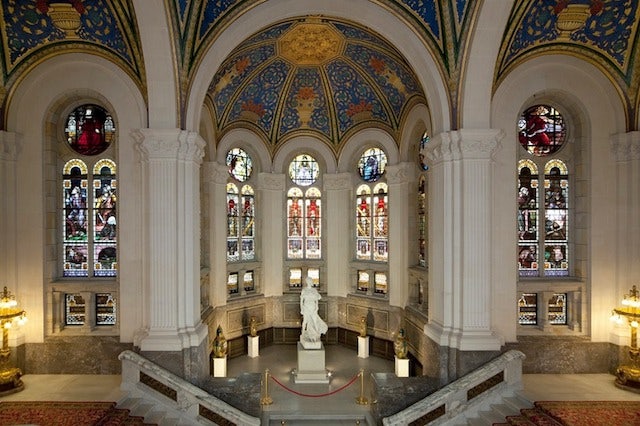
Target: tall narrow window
(422,221)
(372,204)
(528,219)
(90,221)
(556,192)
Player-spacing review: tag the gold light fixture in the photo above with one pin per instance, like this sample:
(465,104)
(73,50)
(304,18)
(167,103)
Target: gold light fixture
(628,376)
(10,313)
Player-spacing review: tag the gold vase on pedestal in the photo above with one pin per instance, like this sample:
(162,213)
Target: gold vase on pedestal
(66,18)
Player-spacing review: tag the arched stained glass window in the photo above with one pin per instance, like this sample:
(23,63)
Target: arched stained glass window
(89,130)
(89,253)
(422,220)
(233,223)
(304,170)
(372,227)
(239,164)
(422,158)
(304,224)
(556,195)
(372,164)
(528,214)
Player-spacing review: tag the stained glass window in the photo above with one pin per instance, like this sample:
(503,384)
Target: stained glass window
(304,223)
(363,281)
(556,193)
(372,164)
(541,130)
(304,170)
(558,309)
(528,218)
(74,307)
(239,164)
(372,225)
(528,309)
(422,158)
(89,253)
(89,130)
(232,283)
(248,282)
(105,309)
(422,220)
(380,279)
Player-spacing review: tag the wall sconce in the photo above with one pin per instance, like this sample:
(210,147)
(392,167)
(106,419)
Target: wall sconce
(10,313)
(629,312)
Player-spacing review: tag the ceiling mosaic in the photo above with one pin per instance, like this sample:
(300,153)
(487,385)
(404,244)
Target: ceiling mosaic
(315,75)
(34,30)
(604,33)
(443,25)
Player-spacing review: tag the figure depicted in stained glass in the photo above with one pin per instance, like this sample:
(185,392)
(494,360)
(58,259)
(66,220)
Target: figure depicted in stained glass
(247,217)
(527,257)
(105,208)
(294,217)
(232,223)
(364,213)
(534,134)
(381,214)
(313,214)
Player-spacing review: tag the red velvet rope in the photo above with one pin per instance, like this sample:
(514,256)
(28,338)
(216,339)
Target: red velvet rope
(319,395)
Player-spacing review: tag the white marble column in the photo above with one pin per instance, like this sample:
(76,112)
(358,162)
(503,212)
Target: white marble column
(338,212)
(460,204)
(171,159)
(625,149)
(399,177)
(215,176)
(270,203)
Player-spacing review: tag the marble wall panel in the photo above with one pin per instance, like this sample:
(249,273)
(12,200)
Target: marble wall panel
(238,319)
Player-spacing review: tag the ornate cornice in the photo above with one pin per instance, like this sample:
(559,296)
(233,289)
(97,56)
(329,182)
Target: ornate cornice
(625,146)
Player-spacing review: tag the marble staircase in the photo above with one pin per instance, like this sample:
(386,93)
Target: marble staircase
(497,413)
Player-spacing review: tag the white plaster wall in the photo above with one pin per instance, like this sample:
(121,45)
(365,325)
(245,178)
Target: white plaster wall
(563,77)
(28,108)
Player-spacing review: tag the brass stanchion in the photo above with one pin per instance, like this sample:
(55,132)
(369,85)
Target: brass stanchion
(266,399)
(361,399)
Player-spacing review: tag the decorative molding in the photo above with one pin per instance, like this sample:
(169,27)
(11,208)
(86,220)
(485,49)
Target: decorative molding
(336,181)
(213,172)
(170,144)
(625,146)
(271,181)
(9,146)
(464,144)
(399,173)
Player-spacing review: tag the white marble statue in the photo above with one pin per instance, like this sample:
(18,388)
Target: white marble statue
(313,327)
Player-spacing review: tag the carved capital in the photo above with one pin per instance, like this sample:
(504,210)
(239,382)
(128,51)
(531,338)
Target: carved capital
(464,144)
(336,181)
(213,172)
(625,146)
(271,181)
(169,144)
(399,173)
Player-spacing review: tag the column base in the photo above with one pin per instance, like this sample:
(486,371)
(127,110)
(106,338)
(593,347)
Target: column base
(363,347)
(253,344)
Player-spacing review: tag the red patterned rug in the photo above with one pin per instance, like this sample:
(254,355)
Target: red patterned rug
(66,414)
(578,413)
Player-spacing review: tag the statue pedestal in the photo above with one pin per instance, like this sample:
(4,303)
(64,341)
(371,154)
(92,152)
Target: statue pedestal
(253,344)
(220,367)
(363,347)
(402,367)
(311,366)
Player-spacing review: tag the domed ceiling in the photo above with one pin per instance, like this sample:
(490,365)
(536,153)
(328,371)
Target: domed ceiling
(313,75)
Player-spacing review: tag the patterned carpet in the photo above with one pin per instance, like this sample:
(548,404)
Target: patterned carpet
(578,413)
(66,414)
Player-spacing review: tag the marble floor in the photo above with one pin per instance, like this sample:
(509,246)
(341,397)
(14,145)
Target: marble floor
(291,397)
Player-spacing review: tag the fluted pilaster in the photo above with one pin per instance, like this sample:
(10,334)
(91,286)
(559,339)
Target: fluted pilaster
(171,159)
(461,212)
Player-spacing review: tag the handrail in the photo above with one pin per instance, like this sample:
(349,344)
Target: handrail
(503,373)
(190,400)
